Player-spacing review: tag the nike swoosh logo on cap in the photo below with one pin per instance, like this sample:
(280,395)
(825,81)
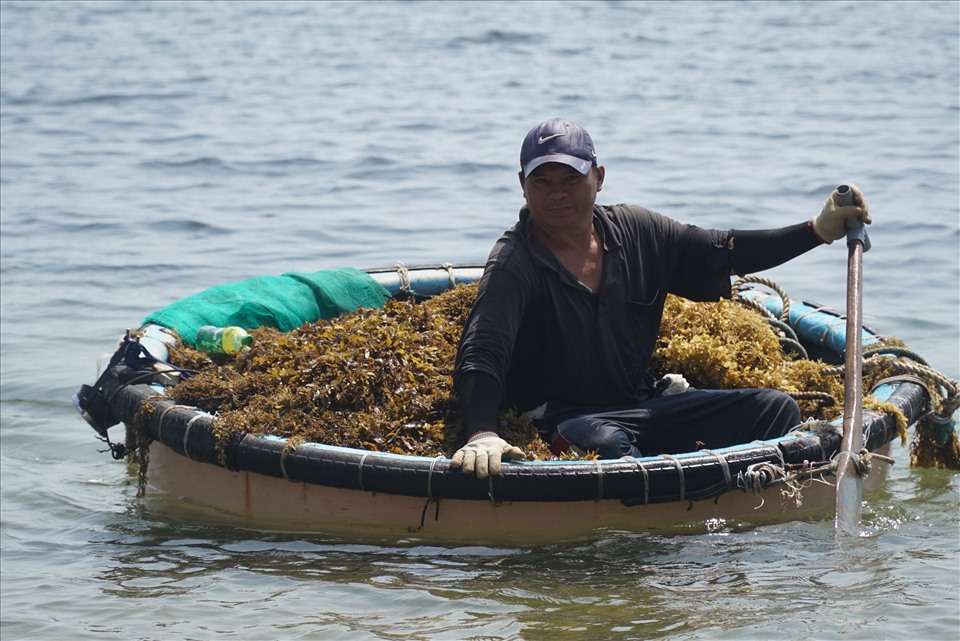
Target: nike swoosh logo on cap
(544,139)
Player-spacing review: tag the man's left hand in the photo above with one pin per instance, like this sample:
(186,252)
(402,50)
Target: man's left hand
(831,223)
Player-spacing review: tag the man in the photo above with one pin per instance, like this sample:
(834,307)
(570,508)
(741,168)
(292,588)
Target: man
(569,308)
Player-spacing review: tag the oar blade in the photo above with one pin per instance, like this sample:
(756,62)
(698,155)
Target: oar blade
(849,500)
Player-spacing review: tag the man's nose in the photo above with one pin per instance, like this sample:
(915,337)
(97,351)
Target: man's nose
(557,191)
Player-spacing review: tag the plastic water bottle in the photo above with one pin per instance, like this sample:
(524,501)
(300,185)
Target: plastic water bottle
(222,340)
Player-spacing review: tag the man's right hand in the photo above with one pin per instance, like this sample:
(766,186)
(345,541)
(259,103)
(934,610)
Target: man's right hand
(483,453)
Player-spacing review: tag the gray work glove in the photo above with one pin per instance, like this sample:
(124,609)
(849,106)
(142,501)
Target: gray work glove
(831,223)
(483,453)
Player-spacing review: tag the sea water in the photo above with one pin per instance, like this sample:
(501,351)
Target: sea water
(152,149)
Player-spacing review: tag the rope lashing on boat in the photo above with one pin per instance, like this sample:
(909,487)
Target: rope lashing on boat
(724,466)
(186,434)
(646,477)
(360,470)
(430,499)
(433,465)
(683,481)
(405,289)
(776,450)
(404,277)
(166,411)
(599,467)
(493,499)
(828,328)
(856,459)
(862,460)
(450,267)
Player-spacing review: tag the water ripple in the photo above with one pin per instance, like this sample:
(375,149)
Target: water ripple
(153,149)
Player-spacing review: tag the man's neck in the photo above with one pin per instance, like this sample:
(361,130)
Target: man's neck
(581,253)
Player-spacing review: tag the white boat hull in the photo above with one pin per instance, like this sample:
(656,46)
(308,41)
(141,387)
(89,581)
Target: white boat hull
(265,502)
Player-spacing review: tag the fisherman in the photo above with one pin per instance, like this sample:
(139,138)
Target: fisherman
(569,308)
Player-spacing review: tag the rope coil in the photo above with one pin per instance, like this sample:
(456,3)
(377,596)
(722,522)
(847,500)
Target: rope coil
(761,476)
(766,282)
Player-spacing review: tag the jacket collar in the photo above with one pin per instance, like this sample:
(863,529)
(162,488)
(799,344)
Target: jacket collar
(609,234)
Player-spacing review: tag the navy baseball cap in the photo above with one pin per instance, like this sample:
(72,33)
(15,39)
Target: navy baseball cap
(557,140)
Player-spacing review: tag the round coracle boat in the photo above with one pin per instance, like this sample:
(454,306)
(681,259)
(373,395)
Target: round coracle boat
(258,476)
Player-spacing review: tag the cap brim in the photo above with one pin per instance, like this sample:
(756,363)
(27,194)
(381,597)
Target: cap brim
(581,165)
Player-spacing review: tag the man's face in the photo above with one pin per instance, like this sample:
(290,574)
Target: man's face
(559,196)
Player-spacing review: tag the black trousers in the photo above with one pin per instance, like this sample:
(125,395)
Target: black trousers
(685,422)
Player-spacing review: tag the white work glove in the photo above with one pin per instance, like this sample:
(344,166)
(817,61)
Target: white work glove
(831,223)
(672,384)
(483,453)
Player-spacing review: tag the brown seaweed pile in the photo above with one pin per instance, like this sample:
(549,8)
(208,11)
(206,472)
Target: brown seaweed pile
(727,345)
(375,379)
(381,379)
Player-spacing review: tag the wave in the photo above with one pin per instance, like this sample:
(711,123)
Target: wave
(271,167)
(97,99)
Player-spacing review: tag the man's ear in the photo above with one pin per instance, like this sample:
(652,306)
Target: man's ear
(523,182)
(601,173)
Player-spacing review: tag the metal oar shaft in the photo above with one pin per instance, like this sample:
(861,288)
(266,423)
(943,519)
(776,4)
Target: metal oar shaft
(849,481)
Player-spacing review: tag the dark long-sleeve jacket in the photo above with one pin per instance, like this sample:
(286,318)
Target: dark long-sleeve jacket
(537,334)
